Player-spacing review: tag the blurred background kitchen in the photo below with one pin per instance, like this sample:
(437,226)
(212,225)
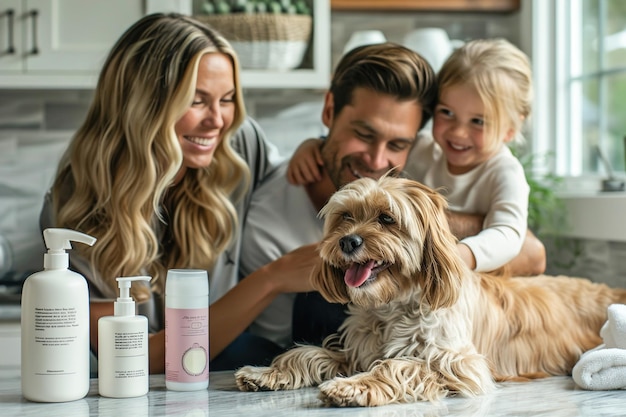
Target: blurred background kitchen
(51,51)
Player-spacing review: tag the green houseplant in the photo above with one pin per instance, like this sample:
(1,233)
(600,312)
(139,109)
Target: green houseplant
(209,7)
(546,212)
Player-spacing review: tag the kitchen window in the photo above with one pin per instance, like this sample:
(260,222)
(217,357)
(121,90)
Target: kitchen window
(579,59)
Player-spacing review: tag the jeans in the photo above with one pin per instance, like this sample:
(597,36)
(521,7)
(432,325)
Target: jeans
(247,349)
(314,318)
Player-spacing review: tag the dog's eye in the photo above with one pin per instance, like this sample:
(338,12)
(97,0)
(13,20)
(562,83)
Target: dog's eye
(346,216)
(386,219)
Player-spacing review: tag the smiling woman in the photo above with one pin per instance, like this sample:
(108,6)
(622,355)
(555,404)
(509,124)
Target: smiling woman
(160,173)
(212,111)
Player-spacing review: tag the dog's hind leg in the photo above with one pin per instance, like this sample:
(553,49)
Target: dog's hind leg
(299,367)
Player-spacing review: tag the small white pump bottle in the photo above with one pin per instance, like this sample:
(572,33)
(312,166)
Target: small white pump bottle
(55,325)
(123,362)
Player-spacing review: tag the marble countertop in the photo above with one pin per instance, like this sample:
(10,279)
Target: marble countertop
(554,397)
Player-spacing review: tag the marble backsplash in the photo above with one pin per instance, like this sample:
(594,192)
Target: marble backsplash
(598,260)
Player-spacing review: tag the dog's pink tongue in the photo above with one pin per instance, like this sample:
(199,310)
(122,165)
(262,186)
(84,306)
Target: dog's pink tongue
(357,274)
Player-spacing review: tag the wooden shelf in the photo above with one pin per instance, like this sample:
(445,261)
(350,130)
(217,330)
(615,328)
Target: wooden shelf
(495,6)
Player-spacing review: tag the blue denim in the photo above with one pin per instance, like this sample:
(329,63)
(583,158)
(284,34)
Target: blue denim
(314,318)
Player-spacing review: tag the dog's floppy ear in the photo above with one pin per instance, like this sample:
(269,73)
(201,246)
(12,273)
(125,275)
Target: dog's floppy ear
(442,268)
(325,280)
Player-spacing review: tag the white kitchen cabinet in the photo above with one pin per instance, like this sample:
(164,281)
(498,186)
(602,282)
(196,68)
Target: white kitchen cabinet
(63,43)
(59,43)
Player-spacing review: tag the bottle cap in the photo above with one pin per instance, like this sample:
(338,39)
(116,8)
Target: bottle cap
(187,283)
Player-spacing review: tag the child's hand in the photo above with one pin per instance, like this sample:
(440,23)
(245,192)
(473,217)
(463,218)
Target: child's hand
(306,162)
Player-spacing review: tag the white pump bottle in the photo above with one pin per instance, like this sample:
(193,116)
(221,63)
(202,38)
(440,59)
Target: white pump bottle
(123,362)
(55,325)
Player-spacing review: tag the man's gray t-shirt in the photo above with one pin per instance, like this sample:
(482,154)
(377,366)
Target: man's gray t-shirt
(281,218)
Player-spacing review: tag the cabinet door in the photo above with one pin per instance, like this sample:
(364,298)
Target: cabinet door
(74,35)
(11,35)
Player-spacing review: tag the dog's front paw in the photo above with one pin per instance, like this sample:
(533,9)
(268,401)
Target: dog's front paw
(345,392)
(251,378)
(248,377)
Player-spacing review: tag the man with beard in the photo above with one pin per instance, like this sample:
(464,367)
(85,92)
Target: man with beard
(380,97)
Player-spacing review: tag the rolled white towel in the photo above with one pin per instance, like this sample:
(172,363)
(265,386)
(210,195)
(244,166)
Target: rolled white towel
(601,369)
(613,332)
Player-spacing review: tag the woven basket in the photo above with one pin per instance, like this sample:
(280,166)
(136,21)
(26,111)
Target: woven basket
(266,40)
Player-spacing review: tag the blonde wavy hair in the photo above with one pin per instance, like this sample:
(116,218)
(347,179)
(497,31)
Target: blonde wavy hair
(501,75)
(116,179)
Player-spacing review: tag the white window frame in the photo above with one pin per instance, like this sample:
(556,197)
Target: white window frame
(551,129)
(591,213)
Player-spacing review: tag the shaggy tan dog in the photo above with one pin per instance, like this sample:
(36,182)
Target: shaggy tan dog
(421,325)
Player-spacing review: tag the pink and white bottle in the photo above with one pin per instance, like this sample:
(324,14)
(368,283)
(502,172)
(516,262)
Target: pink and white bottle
(186,330)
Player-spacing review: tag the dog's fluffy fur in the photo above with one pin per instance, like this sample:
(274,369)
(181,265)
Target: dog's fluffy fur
(421,324)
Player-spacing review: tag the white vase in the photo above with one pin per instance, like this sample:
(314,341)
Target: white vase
(433,44)
(364,37)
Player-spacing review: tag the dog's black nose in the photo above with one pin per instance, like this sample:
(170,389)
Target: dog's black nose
(350,243)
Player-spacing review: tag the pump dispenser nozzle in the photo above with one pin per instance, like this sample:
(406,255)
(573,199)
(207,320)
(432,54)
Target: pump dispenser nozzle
(125,306)
(57,241)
